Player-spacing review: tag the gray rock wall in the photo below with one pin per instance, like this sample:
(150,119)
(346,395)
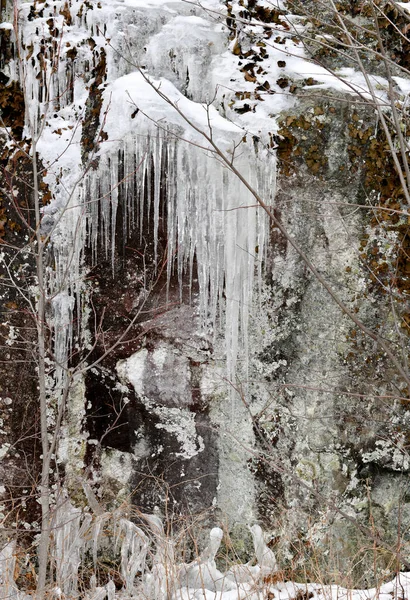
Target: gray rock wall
(311,437)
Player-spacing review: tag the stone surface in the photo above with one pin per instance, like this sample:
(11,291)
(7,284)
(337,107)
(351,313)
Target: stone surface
(314,431)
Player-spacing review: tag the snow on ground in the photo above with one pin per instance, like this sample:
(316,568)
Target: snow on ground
(284,57)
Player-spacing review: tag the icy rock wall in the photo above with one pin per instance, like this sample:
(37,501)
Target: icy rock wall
(112,146)
(142,160)
(323,389)
(125,177)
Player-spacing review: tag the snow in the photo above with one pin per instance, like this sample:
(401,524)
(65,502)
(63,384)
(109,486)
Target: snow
(266,106)
(404,84)
(137,90)
(191,57)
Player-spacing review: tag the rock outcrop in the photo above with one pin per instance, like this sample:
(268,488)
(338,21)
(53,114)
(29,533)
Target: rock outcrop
(213,373)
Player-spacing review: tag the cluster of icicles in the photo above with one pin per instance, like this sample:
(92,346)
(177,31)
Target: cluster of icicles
(212,222)
(214,231)
(147,562)
(150,571)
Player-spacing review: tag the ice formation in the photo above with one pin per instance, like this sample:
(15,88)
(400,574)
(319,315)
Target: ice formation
(8,587)
(212,221)
(211,217)
(147,154)
(149,568)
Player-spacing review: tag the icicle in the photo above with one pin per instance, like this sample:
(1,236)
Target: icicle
(110,587)
(63,305)
(162,579)
(96,531)
(265,556)
(158,168)
(171,212)
(99,593)
(114,206)
(210,216)
(8,588)
(126,190)
(134,548)
(204,219)
(202,572)
(69,536)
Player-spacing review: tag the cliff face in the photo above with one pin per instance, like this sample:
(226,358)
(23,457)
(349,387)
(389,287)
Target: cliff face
(212,371)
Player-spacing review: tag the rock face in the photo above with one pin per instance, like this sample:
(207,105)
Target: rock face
(213,372)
